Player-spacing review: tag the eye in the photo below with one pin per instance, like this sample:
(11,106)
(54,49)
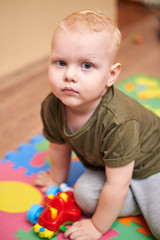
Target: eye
(87,65)
(61,63)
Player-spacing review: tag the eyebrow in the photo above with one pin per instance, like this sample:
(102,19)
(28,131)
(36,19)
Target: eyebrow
(81,58)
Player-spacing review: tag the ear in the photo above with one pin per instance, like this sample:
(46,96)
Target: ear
(113,75)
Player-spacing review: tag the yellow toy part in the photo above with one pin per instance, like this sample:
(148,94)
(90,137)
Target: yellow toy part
(43,232)
(64,196)
(54,212)
(50,196)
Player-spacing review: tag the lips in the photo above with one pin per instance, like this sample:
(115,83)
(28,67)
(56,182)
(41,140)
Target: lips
(69,91)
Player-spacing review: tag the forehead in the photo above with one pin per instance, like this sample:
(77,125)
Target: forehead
(99,39)
(88,46)
(91,44)
(62,32)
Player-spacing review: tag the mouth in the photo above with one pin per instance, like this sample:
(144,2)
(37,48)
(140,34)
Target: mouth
(69,91)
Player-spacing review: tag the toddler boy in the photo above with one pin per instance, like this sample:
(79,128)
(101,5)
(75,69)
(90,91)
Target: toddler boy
(116,138)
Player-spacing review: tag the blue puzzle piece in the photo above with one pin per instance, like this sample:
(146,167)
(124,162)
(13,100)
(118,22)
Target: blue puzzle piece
(23,157)
(76,170)
(26,152)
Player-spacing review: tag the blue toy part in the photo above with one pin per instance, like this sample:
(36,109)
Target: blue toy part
(34,212)
(53,190)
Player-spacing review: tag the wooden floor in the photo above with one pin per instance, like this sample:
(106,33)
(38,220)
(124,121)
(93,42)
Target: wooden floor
(144,58)
(20,105)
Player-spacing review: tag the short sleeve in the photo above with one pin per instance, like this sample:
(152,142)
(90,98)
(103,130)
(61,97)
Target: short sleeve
(121,145)
(51,130)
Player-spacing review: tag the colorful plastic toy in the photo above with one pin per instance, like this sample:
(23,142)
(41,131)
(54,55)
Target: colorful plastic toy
(59,209)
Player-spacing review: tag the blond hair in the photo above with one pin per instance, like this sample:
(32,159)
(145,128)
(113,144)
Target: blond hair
(94,21)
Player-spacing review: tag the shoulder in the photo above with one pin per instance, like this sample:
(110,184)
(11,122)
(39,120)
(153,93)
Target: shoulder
(120,107)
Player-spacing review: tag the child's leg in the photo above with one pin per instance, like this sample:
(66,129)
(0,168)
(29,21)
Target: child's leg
(87,190)
(147,194)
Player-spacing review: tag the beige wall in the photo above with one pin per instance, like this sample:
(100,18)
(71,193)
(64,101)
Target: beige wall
(26,27)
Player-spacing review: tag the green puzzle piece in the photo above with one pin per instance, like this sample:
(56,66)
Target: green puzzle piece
(42,146)
(30,235)
(129,232)
(144,89)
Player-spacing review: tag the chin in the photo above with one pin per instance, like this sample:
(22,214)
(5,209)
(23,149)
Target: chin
(70,102)
(70,105)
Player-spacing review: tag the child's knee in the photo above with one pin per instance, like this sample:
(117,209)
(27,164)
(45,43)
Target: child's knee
(87,190)
(84,198)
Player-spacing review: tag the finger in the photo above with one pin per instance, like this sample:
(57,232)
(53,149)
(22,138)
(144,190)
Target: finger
(43,174)
(44,189)
(41,178)
(40,174)
(39,182)
(69,231)
(76,224)
(75,235)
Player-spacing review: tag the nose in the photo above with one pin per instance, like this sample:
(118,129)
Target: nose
(71,75)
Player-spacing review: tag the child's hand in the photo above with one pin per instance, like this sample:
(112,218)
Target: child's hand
(83,230)
(44,180)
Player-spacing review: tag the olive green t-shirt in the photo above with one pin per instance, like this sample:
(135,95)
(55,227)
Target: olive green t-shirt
(119,131)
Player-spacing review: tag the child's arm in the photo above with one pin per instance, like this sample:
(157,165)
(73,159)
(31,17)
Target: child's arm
(112,196)
(110,203)
(60,155)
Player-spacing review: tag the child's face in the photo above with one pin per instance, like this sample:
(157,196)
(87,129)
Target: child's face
(80,67)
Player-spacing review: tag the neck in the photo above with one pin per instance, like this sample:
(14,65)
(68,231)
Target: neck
(77,117)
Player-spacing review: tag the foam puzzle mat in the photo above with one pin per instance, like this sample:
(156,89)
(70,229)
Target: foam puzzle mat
(18,170)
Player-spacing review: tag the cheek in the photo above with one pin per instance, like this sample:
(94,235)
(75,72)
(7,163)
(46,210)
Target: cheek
(52,83)
(54,77)
(50,80)
(96,85)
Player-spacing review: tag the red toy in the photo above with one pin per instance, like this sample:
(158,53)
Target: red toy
(59,210)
